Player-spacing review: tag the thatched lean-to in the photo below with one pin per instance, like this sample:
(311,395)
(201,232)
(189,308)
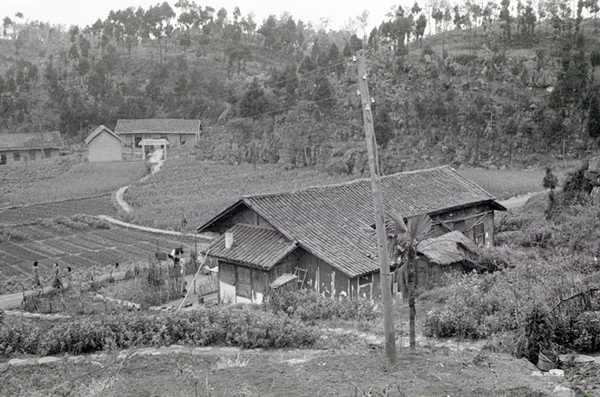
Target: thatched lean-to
(450,251)
(450,248)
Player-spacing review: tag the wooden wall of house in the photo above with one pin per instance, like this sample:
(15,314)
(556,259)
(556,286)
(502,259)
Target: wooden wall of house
(248,217)
(326,280)
(17,156)
(476,222)
(244,216)
(241,284)
(174,139)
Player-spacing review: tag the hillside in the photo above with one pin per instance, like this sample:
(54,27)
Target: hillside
(485,90)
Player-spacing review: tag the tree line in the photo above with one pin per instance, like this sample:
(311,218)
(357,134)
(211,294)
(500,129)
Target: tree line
(285,88)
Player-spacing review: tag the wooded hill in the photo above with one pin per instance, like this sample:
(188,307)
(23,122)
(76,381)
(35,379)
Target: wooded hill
(491,85)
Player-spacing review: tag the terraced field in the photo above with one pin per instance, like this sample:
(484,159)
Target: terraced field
(91,206)
(92,250)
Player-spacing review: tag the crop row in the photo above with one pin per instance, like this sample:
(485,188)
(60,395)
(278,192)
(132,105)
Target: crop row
(92,206)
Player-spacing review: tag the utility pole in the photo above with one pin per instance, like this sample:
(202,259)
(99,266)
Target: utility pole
(384,264)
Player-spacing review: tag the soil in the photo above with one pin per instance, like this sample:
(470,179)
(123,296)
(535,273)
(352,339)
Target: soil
(356,371)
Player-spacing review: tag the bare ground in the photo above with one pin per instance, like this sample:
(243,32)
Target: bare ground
(354,370)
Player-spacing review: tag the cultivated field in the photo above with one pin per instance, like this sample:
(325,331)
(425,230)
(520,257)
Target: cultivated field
(64,178)
(93,206)
(186,188)
(87,249)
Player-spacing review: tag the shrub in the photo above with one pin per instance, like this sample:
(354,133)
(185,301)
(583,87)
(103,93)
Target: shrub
(464,59)
(210,326)
(92,221)
(311,306)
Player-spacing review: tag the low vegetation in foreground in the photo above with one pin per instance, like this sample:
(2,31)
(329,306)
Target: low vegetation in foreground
(546,295)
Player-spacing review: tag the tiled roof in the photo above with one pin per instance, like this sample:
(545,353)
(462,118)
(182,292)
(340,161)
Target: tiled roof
(31,140)
(163,126)
(97,132)
(253,246)
(449,248)
(335,222)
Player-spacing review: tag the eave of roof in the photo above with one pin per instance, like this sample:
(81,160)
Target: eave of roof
(253,246)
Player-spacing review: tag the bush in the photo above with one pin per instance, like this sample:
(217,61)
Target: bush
(580,331)
(312,306)
(210,326)
(464,59)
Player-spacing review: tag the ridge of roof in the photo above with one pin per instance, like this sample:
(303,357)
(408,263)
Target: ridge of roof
(97,132)
(364,180)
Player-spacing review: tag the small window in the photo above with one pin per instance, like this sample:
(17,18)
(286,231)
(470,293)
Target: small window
(137,141)
(479,234)
(17,156)
(48,153)
(2,159)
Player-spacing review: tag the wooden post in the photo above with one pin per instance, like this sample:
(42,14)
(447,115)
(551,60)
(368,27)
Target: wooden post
(384,264)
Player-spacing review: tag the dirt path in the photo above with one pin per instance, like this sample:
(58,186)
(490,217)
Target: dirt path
(154,158)
(519,201)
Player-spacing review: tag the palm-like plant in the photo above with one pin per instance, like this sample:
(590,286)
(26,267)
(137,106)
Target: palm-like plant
(403,241)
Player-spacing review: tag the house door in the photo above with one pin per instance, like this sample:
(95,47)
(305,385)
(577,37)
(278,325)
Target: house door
(244,284)
(479,234)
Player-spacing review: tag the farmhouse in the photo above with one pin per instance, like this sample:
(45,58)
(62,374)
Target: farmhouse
(103,145)
(326,235)
(176,131)
(15,147)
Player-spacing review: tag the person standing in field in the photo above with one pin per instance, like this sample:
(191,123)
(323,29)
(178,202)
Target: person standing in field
(56,283)
(36,275)
(69,276)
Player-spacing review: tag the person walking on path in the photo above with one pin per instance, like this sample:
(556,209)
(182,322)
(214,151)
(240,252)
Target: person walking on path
(56,283)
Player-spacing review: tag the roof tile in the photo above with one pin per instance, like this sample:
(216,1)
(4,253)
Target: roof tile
(253,246)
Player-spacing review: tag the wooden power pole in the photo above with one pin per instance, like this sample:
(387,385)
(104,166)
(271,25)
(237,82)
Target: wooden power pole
(384,264)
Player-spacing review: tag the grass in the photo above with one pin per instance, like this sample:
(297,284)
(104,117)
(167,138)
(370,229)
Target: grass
(63,180)
(506,183)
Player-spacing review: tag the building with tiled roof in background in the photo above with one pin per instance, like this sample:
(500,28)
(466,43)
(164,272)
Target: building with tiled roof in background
(29,146)
(176,131)
(326,235)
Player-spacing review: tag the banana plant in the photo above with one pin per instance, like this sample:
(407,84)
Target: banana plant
(403,240)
